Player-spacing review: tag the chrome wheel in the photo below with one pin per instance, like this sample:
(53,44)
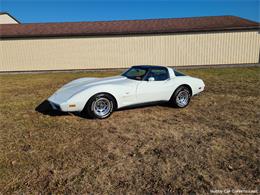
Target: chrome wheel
(182,99)
(102,107)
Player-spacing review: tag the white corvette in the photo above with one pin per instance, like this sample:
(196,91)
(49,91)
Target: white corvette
(99,97)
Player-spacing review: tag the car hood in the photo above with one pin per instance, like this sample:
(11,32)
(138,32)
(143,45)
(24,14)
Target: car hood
(78,85)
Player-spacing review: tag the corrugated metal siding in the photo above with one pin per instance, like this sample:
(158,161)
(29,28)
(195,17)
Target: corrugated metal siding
(124,51)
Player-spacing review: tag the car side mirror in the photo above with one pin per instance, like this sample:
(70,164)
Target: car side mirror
(151,79)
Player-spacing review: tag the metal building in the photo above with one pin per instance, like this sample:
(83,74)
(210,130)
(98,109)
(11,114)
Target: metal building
(6,18)
(119,44)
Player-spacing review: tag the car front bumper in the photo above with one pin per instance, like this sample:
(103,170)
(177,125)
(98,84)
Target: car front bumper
(65,106)
(55,106)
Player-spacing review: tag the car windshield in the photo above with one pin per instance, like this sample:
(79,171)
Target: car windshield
(136,73)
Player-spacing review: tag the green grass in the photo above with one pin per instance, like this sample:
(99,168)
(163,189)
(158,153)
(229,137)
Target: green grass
(211,144)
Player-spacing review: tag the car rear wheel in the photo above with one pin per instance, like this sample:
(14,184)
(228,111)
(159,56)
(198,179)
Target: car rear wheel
(181,97)
(100,106)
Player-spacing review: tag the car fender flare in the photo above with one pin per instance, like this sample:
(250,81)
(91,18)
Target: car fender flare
(115,100)
(183,85)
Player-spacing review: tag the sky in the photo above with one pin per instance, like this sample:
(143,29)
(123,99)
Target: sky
(34,11)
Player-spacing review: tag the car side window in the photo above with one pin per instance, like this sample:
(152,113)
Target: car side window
(136,73)
(159,74)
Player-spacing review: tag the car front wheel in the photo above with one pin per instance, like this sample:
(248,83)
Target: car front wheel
(181,97)
(100,106)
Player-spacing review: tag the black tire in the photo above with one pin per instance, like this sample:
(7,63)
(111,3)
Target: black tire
(92,106)
(181,97)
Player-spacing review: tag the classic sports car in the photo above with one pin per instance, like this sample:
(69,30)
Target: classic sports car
(99,97)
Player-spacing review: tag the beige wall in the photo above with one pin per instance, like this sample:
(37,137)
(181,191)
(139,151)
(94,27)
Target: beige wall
(6,19)
(124,51)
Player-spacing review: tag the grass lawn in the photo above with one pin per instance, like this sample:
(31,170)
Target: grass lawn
(213,144)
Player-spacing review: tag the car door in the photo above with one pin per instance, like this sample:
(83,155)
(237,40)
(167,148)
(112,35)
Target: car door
(155,87)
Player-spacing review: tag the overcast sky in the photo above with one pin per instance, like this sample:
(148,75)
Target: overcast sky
(28,11)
